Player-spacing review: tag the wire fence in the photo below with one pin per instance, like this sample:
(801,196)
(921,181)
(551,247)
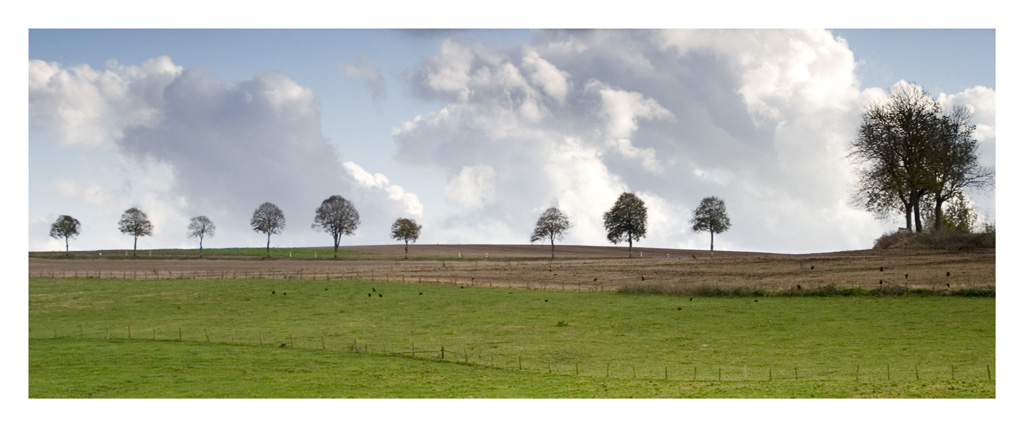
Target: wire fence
(926,372)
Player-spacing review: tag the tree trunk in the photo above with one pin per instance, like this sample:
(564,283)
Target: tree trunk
(909,214)
(552,245)
(406,248)
(200,246)
(268,244)
(938,214)
(67,252)
(917,217)
(630,238)
(135,246)
(712,243)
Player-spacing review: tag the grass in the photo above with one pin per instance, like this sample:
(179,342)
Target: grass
(858,346)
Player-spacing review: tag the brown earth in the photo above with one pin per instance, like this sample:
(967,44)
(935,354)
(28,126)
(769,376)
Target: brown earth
(574,268)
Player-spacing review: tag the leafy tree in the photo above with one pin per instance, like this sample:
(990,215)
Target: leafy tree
(626,220)
(268,219)
(336,216)
(909,149)
(710,216)
(65,228)
(961,216)
(953,163)
(892,146)
(135,223)
(405,229)
(551,225)
(200,227)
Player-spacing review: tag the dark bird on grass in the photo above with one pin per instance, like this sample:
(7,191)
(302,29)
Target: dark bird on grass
(755,300)
(284,293)
(283,344)
(380,295)
(369,295)
(798,287)
(595,279)
(679,308)
(421,293)
(812,267)
(641,277)
(273,292)
(691,298)
(947,274)
(374,289)
(545,300)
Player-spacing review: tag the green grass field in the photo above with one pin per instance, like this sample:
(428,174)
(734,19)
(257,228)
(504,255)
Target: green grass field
(295,338)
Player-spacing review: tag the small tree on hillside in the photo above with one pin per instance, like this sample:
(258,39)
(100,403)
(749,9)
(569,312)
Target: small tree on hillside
(65,228)
(626,220)
(710,216)
(135,223)
(405,229)
(200,227)
(336,216)
(551,225)
(268,219)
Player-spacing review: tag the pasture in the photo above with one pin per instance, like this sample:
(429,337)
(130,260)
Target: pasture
(357,338)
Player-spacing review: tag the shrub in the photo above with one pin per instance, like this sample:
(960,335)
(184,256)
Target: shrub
(945,240)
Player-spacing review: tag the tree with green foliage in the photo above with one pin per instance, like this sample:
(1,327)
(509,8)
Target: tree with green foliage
(551,225)
(336,216)
(65,228)
(405,229)
(200,227)
(626,220)
(135,223)
(908,149)
(710,216)
(268,219)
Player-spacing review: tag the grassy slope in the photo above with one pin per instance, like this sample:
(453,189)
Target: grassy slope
(827,340)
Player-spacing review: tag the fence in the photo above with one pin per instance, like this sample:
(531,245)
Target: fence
(615,368)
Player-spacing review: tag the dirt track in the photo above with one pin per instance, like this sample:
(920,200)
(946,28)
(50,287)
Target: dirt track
(574,268)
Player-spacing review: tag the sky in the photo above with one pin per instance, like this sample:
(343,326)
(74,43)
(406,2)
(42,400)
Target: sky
(474,133)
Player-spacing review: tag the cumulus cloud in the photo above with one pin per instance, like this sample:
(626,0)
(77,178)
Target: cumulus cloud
(191,143)
(761,119)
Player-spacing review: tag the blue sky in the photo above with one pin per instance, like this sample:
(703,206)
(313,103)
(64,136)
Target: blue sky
(474,133)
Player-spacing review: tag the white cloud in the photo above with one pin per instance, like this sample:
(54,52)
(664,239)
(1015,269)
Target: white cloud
(761,119)
(377,181)
(473,187)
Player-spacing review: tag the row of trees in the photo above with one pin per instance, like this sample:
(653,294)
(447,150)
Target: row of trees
(335,216)
(625,221)
(913,155)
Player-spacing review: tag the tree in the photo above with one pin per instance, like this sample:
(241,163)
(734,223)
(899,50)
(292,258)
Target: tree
(336,216)
(405,229)
(65,228)
(908,150)
(627,220)
(892,146)
(710,216)
(268,219)
(200,227)
(551,225)
(953,162)
(135,223)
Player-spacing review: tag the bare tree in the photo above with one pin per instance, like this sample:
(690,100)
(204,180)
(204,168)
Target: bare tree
(65,228)
(626,220)
(336,216)
(135,223)
(710,216)
(551,225)
(268,219)
(405,229)
(200,227)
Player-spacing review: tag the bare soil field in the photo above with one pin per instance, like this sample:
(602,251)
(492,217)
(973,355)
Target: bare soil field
(575,268)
